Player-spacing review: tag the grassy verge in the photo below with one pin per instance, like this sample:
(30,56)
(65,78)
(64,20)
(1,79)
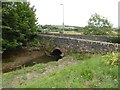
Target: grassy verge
(21,76)
(90,73)
(10,76)
(94,72)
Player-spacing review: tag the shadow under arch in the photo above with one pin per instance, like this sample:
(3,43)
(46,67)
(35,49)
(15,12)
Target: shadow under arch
(57,53)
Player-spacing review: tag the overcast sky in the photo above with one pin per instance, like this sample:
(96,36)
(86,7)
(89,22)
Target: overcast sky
(76,12)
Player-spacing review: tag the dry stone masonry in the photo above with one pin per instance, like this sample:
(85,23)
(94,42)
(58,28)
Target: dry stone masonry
(70,44)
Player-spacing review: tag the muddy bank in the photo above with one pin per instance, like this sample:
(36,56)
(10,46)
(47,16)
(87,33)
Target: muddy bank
(25,58)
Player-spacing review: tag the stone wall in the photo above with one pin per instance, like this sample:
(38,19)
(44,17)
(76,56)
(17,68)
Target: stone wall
(102,38)
(68,45)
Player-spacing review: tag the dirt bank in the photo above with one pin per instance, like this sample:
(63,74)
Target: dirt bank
(20,58)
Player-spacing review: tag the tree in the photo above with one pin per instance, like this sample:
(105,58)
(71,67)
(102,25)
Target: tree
(19,24)
(98,25)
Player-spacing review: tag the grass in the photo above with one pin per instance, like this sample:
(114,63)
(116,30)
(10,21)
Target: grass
(87,73)
(68,32)
(9,77)
(71,32)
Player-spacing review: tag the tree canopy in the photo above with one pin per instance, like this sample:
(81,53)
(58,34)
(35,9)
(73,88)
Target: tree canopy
(19,24)
(98,25)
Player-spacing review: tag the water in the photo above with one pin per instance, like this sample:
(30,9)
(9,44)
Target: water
(41,59)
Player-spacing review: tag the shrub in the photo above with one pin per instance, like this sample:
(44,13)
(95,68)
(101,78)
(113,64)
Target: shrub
(111,59)
(116,39)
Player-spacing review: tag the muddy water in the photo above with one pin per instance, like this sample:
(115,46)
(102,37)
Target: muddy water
(42,59)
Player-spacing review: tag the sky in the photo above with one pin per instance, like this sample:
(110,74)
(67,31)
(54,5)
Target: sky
(76,12)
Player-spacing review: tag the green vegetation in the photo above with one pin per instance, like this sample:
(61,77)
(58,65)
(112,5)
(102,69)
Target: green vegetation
(112,59)
(19,25)
(116,37)
(59,29)
(79,70)
(8,77)
(67,32)
(91,73)
(98,25)
(86,73)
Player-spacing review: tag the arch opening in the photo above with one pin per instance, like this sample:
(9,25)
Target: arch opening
(57,54)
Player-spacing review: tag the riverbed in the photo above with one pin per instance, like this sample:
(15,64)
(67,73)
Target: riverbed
(26,58)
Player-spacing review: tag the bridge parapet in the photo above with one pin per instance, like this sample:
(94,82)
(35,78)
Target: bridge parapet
(68,45)
(103,38)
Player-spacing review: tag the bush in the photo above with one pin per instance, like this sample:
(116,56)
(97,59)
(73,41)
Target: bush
(115,39)
(111,59)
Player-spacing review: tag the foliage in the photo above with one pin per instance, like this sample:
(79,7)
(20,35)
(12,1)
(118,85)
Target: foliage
(115,38)
(98,25)
(19,25)
(40,29)
(59,29)
(49,28)
(112,59)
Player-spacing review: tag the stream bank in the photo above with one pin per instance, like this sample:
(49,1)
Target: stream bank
(26,57)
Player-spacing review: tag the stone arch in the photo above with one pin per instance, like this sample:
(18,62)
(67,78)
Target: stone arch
(57,53)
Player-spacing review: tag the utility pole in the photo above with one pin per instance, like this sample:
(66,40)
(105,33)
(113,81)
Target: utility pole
(63,16)
(119,14)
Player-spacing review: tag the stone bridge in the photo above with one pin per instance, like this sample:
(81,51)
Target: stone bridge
(78,43)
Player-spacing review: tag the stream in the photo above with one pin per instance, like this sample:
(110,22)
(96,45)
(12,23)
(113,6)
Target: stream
(41,59)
